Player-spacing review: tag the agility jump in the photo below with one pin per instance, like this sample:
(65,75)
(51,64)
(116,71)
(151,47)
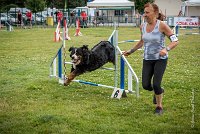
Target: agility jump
(78,32)
(177,29)
(57,33)
(8,26)
(56,70)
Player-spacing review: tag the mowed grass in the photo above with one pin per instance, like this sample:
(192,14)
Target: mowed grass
(32,102)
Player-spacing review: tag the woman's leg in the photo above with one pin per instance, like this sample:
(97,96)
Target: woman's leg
(159,70)
(147,73)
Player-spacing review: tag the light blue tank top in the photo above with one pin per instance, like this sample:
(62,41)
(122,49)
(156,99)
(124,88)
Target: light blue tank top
(153,42)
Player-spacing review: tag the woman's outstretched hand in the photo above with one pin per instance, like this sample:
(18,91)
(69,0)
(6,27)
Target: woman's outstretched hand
(126,53)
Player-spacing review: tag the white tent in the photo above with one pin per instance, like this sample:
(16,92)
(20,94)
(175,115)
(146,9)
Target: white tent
(192,3)
(114,10)
(110,3)
(191,8)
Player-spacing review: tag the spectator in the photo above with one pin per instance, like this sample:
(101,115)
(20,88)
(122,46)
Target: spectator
(72,18)
(29,18)
(138,18)
(103,18)
(19,18)
(97,18)
(126,17)
(84,18)
(180,13)
(59,16)
(56,14)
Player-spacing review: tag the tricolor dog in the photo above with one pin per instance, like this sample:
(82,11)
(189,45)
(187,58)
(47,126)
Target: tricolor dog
(85,60)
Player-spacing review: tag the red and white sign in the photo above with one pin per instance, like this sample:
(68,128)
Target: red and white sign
(186,21)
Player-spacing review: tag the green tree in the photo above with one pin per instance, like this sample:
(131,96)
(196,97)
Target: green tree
(5,5)
(55,3)
(139,4)
(35,5)
(60,4)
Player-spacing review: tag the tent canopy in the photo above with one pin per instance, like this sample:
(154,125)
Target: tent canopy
(110,3)
(190,8)
(192,3)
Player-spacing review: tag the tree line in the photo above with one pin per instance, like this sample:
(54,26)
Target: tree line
(40,5)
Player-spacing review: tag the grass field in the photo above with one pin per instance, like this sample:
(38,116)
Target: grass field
(32,102)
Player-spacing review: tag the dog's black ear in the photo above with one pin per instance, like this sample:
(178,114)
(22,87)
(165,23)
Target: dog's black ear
(109,42)
(85,47)
(70,49)
(110,45)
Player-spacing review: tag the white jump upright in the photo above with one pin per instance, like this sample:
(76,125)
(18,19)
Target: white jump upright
(9,27)
(57,33)
(56,66)
(66,31)
(58,63)
(123,61)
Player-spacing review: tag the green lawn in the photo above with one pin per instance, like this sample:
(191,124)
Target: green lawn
(32,102)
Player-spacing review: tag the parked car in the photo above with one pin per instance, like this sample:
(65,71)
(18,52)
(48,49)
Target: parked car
(14,14)
(23,10)
(7,18)
(39,18)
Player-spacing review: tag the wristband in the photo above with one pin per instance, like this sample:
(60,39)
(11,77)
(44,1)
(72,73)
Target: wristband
(168,49)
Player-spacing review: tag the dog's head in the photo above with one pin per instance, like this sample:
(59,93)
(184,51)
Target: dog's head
(79,55)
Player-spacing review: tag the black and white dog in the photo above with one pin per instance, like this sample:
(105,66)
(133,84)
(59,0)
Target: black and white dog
(85,60)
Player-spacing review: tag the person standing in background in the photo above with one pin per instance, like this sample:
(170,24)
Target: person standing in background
(29,18)
(126,17)
(19,18)
(84,19)
(59,16)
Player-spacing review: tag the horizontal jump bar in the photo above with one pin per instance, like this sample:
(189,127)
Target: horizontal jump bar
(91,83)
(100,85)
(128,41)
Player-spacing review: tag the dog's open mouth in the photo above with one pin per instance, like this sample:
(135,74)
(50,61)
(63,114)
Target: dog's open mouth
(76,61)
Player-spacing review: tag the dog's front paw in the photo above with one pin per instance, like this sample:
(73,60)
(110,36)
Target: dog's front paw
(66,82)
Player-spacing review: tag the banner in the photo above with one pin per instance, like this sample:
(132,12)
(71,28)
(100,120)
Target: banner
(186,21)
